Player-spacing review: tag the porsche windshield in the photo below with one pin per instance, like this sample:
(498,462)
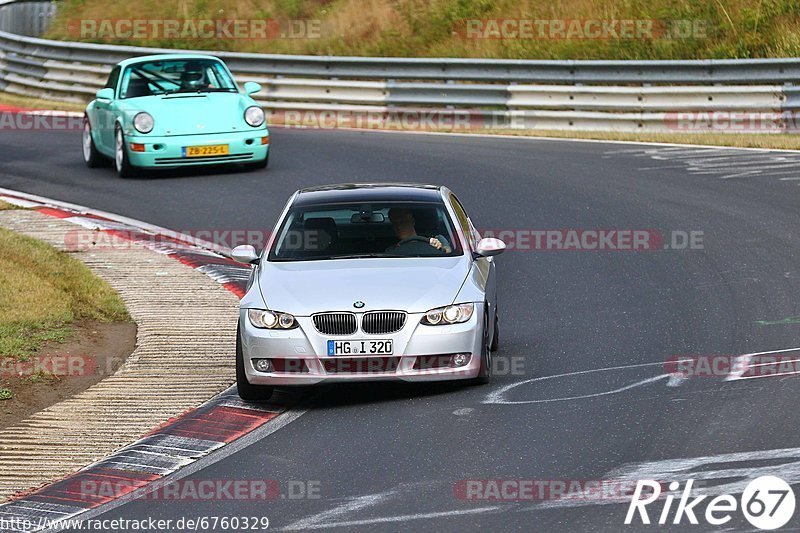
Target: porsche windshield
(175,76)
(346,231)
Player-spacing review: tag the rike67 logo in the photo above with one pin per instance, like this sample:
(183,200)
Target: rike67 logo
(767,503)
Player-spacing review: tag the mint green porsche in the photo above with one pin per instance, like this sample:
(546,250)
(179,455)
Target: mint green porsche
(174,110)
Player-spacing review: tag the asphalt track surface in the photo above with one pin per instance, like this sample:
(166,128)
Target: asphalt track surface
(387,457)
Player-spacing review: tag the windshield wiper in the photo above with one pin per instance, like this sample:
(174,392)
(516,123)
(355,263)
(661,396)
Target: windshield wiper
(329,257)
(359,256)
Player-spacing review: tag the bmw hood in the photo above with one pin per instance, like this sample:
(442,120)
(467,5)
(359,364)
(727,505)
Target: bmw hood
(194,113)
(408,284)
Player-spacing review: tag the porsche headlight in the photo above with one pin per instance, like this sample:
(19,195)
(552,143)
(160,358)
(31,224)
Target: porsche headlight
(254,116)
(266,319)
(143,122)
(452,314)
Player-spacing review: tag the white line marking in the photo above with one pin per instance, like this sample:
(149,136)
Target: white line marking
(498,396)
(773,363)
(741,368)
(768,375)
(714,474)
(354,504)
(402,518)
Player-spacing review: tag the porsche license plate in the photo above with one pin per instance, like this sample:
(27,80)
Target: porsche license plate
(202,151)
(367,347)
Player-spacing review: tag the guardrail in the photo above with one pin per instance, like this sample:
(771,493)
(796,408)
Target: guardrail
(26,17)
(578,95)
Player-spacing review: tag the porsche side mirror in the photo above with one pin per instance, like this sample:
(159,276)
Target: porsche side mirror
(106,94)
(489,247)
(252,87)
(245,253)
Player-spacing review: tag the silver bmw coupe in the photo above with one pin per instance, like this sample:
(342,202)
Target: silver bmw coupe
(367,282)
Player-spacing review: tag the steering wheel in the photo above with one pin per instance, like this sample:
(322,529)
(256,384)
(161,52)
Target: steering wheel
(419,238)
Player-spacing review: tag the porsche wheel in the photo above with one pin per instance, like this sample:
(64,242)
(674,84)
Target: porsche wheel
(91,156)
(121,163)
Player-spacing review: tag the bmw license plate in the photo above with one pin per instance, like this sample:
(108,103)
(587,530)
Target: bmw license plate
(369,347)
(202,151)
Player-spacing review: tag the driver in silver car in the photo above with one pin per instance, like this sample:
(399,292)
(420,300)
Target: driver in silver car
(409,242)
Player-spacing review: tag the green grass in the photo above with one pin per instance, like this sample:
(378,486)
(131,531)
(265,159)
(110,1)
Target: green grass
(5,394)
(43,292)
(435,28)
(5,206)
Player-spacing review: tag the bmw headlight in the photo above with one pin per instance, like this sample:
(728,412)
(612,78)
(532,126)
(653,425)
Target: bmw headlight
(254,116)
(452,314)
(143,122)
(266,319)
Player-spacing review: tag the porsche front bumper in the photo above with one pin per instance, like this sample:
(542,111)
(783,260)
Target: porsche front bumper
(168,152)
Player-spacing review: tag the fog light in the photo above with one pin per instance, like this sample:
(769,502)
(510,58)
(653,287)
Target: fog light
(262,365)
(460,359)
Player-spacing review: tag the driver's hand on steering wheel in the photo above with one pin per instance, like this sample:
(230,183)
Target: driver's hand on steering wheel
(436,243)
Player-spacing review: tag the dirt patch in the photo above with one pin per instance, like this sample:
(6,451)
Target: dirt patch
(61,370)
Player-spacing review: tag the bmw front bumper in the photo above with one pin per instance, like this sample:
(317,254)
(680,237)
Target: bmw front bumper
(420,353)
(168,152)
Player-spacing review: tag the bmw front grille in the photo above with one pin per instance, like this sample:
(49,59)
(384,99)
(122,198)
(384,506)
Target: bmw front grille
(380,322)
(372,323)
(335,323)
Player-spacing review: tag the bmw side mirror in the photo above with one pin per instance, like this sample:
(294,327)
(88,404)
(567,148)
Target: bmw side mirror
(252,87)
(245,253)
(106,94)
(489,247)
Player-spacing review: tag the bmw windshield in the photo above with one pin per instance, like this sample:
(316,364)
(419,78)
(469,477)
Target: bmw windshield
(347,231)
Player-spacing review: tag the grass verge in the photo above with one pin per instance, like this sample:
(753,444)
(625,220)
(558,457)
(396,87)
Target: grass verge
(43,292)
(678,29)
